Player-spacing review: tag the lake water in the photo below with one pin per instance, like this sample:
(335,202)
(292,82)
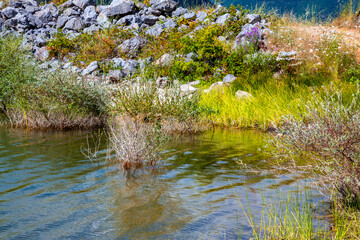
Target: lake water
(322,8)
(49,190)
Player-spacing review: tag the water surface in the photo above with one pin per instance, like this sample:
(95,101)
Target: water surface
(50,190)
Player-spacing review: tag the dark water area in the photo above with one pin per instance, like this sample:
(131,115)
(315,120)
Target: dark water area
(319,8)
(50,190)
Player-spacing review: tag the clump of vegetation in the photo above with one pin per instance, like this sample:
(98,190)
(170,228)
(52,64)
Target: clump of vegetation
(146,101)
(146,116)
(136,143)
(295,216)
(328,136)
(34,98)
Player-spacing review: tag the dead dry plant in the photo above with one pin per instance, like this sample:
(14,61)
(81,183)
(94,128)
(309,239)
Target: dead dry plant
(136,143)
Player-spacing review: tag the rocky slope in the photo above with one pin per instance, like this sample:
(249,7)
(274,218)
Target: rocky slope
(38,24)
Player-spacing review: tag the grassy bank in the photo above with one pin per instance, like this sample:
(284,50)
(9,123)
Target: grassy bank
(31,97)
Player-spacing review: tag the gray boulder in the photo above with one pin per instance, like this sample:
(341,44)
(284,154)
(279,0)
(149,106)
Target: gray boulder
(91,68)
(2,23)
(61,21)
(253,18)
(90,30)
(119,10)
(12,23)
(44,15)
(52,8)
(132,45)
(149,19)
(169,24)
(229,78)
(90,14)
(179,12)
(75,24)
(32,9)
(66,4)
(162,82)
(9,12)
(117,62)
(155,30)
(103,20)
(42,53)
(242,95)
(223,18)
(71,12)
(152,11)
(189,16)
(187,88)
(126,20)
(15,4)
(115,75)
(166,6)
(22,20)
(128,67)
(200,16)
(82,4)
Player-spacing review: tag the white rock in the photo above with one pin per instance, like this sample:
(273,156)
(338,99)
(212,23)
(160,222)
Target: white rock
(186,88)
(242,95)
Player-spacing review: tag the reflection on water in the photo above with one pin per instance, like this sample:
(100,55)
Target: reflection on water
(49,190)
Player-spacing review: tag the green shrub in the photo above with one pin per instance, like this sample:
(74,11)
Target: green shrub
(31,97)
(16,71)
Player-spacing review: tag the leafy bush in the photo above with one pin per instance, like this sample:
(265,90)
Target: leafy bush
(206,45)
(16,71)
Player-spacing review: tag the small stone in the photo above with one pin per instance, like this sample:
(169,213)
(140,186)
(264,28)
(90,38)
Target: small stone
(150,19)
(229,78)
(165,60)
(169,24)
(132,45)
(163,82)
(187,88)
(42,54)
(242,95)
(75,24)
(155,30)
(83,3)
(9,12)
(214,86)
(253,18)
(67,65)
(103,20)
(179,12)
(115,76)
(200,16)
(91,68)
(222,19)
(166,6)
(189,16)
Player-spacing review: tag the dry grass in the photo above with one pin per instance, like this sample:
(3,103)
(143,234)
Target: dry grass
(136,143)
(307,39)
(32,119)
